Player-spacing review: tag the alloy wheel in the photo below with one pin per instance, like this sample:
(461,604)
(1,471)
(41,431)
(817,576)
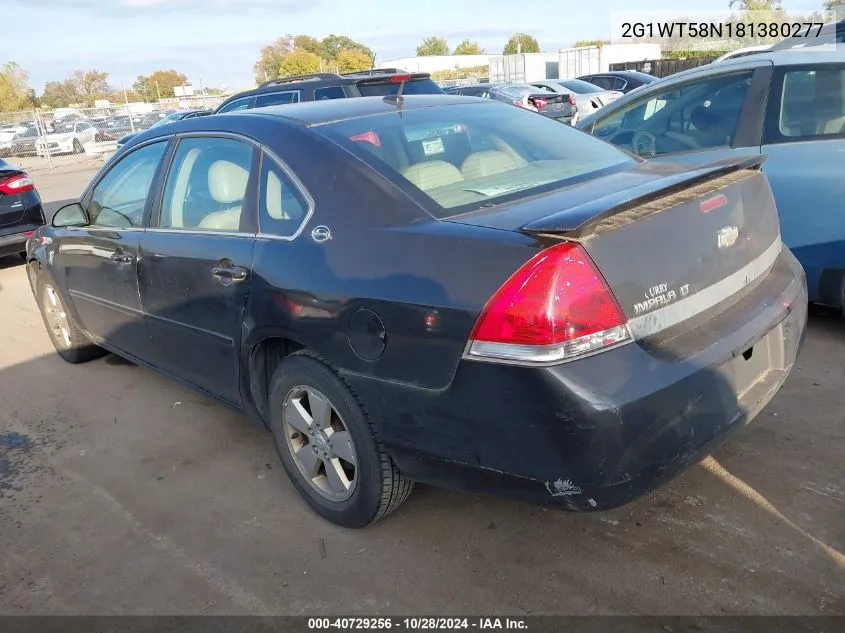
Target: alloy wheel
(320,443)
(56,315)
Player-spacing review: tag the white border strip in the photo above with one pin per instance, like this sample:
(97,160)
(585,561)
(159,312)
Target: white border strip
(675,313)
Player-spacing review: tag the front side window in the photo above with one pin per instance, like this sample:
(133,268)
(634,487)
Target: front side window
(282,207)
(277,98)
(207,185)
(469,155)
(701,114)
(119,199)
(811,105)
(240,104)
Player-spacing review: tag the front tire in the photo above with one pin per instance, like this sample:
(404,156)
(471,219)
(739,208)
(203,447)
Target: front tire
(77,146)
(70,341)
(329,447)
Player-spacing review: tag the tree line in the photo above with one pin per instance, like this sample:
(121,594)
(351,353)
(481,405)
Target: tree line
(83,88)
(518,43)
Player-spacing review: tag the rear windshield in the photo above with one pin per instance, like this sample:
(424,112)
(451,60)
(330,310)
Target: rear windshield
(581,87)
(465,156)
(415,87)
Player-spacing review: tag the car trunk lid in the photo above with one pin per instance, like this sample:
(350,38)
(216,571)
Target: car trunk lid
(671,246)
(11,203)
(548,101)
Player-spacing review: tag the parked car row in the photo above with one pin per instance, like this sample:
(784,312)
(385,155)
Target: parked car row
(577,97)
(72,131)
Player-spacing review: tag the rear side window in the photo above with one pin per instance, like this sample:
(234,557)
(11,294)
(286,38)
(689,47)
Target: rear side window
(331,92)
(415,87)
(465,156)
(282,207)
(277,98)
(811,105)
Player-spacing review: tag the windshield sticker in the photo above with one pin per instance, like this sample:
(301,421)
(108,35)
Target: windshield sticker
(433,146)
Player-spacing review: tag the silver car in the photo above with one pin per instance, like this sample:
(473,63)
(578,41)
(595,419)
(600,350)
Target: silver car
(588,97)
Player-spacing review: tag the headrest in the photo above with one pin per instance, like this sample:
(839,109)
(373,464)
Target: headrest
(433,174)
(227,181)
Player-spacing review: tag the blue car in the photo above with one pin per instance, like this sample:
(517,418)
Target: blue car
(787,105)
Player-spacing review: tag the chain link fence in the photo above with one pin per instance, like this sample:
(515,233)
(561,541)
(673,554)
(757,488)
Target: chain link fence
(52,135)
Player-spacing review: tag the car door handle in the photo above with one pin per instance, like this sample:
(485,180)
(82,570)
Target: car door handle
(227,275)
(122,257)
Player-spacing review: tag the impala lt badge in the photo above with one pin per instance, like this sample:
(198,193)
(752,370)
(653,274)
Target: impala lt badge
(728,236)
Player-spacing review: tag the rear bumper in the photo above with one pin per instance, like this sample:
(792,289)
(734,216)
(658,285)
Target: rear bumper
(14,243)
(598,432)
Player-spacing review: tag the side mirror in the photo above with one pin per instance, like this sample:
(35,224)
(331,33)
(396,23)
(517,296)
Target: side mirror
(70,215)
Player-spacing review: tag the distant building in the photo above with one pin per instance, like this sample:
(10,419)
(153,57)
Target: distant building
(433,63)
(568,63)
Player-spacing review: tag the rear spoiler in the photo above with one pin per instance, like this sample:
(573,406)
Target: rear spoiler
(580,221)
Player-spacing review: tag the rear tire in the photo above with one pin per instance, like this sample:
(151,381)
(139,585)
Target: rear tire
(77,146)
(368,486)
(71,343)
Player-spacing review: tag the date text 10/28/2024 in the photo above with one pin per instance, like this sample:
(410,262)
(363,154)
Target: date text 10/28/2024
(416,624)
(729,30)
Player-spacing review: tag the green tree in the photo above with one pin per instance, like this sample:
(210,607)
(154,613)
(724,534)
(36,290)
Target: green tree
(521,43)
(299,63)
(469,47)
(91,85)
(581,43)
(310,44)
(268,65)
(433,46)
(755,5)
(15,93)
(159,84)
(835,5)
(60,94)
(350,61)
(334,44)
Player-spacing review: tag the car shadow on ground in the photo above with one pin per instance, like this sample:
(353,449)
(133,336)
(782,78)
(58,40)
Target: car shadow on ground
(756,528)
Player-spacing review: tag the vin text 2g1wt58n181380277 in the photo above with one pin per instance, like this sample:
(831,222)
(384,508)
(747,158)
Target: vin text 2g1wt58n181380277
(434,288)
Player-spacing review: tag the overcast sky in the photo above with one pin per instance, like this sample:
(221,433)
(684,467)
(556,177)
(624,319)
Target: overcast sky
(218,41)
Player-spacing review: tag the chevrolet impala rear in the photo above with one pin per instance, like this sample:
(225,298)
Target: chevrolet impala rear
(656,312)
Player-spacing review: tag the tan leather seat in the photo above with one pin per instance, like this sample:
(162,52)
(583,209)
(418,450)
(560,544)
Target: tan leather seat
(832,124)
(488,163)
(433,174)
(227,184)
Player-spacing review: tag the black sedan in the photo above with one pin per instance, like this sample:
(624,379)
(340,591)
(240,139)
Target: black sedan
(434,288)
(20,209)
(620,80)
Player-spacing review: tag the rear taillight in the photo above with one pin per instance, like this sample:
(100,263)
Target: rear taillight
(400,78)
(16,184)
(555,307)
(539,103)
(569,98)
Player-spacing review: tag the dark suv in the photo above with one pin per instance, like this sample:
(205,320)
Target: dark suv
(319,86)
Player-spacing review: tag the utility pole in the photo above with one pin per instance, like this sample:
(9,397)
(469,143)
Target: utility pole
(202,90)
(128,110)
(158,91)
